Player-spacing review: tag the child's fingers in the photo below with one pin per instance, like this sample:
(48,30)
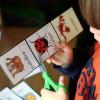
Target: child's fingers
(48,60)
(61,82)
(59,58)
(44,91)
(58,54)
(57,61)
(65,47)
(54,60)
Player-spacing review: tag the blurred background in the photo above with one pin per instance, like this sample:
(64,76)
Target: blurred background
(33,13)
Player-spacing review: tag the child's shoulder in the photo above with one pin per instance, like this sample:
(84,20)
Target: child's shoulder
(96,55)
(96,65)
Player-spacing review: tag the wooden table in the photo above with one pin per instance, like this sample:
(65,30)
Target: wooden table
(12,36)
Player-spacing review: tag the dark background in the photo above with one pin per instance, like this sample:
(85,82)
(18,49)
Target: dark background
(35,13)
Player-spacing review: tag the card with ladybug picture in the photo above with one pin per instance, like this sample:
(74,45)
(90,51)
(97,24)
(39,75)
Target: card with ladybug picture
(18,62)
(67,25)
(42,43)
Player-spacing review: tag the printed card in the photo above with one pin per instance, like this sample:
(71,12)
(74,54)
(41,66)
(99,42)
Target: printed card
(18,62)
(42,43)
(25,92)
(67,25)
(7,94)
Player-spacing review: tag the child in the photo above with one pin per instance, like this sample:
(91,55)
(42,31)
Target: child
(88,85)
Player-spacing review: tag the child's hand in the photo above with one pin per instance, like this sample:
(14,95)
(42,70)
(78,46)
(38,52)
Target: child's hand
(59,95)
(63,56)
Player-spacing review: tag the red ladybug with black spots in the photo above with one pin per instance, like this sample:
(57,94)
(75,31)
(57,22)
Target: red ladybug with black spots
(41,45)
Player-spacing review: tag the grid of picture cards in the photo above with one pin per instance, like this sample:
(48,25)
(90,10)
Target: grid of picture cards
(23,59)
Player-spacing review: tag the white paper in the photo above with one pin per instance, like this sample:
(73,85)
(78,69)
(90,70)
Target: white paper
(18,62)
(50,37)
(24,91)
(7,94)
(69,25)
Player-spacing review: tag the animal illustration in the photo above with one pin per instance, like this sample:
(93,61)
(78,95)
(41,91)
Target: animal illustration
(41,44)
(14,65)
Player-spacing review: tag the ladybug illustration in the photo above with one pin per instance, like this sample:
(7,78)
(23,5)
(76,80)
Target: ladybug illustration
(41,45)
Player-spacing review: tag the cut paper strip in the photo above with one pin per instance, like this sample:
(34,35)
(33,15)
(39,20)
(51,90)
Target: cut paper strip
(23,59)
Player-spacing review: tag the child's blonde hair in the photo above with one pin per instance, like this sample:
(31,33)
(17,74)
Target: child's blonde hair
(91,12)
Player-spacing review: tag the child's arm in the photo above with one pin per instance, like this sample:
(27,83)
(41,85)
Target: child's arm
(69,61)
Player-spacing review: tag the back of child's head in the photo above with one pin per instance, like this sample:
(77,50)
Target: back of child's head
(91,12)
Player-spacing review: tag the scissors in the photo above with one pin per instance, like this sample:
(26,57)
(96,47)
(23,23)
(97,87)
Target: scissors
(49,83)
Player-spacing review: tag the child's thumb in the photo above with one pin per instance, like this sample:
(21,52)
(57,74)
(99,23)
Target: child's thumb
(64,46)
(61,82)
